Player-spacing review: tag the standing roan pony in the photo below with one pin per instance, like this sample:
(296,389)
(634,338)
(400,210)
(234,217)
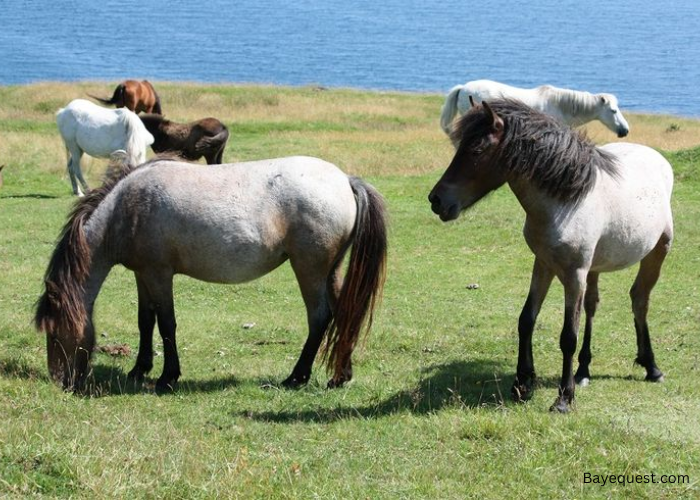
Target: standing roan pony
(223,224)
(134,95)
(88,128)
(572,107)
(206,137)
(588,210)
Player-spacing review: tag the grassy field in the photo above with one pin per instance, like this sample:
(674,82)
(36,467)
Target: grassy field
(428,414)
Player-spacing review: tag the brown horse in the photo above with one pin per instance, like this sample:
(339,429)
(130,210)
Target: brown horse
(134,95)
(206,137)
(223,224)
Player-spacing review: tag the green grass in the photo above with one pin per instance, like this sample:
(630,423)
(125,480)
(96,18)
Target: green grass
(428,414)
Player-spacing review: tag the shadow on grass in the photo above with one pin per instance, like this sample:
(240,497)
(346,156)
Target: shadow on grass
(470,384)
(110,380)
(34,196)
(19,369)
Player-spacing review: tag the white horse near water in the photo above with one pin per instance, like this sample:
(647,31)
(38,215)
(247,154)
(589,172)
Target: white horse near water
(572,107)
(88,128)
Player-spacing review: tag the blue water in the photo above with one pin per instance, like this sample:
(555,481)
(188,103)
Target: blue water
(645,51)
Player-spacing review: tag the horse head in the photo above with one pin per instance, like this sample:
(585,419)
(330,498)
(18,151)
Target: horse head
(471,175)
(610,115)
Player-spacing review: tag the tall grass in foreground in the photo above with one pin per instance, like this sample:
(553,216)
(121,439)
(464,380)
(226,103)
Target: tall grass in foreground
(428,414)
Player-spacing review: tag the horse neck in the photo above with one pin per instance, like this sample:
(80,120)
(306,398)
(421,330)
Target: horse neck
(537,204)
(576,107)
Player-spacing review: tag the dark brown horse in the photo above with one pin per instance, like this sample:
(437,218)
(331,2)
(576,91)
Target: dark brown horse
(134,95)
(206,137)
(158,219)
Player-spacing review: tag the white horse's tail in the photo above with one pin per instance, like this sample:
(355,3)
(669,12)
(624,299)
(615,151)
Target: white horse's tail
(137,137)
(449,109)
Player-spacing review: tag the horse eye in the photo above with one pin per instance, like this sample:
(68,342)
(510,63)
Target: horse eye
(613,111)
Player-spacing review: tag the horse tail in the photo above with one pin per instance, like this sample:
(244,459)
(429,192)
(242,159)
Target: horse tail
(156,107)
(116,99)
(137,137)
(212,141)
(364,280)
(449,109)
(61,311)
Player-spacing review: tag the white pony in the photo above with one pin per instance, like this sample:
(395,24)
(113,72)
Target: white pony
(572,107)
(88,128)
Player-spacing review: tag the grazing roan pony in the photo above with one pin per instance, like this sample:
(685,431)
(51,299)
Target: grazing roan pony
(588,210)
(572,107)
(223,224)
(134,95)
(88,128)
(206,137)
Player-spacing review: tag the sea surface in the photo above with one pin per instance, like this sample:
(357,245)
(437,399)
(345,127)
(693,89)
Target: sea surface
(645,51)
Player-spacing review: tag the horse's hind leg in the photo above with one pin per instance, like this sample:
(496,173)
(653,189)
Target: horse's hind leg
(147,322)
(525,374)
(649,270)
(319,292)
(74,173)
(590,304)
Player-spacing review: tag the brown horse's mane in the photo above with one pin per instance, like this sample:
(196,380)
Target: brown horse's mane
(534,146)
(61,307)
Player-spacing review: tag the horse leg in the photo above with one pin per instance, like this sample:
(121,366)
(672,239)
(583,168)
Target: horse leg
(319,292)
(574,289)
(648,275)
(590,304)
(147,322)
(74,155)
(160,291)
(525,373)
(219,156)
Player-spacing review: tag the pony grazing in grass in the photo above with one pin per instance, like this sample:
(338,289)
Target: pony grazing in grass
(134,95)
(588,210)
(572,107)
(88,128)
(206,137)
(223,224)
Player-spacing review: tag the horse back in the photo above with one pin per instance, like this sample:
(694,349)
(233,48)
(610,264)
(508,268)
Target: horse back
(229,223)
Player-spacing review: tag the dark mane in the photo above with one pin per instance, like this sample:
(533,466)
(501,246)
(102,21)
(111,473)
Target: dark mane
(60,308)
(561,161)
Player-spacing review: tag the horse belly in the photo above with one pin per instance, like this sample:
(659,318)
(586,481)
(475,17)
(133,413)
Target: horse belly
(235,254)
(629,240)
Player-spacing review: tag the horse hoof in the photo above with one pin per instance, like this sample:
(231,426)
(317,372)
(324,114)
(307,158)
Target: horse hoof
(293,382)
(560,406)
(522,392)
(657,378)
(583,381)
(335,383)
(136,375)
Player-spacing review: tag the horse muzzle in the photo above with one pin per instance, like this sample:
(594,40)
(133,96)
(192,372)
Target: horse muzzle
(446,213)
(622,132)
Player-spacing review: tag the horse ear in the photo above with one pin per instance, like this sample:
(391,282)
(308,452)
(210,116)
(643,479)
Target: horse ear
(496,122)
(603,99)
(471,101)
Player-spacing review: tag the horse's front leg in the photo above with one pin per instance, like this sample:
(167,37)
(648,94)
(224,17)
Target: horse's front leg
(160,290)
(525,374)
(147,322)
(574,290)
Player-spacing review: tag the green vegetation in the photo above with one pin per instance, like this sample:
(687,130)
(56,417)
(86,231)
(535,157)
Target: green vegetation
(428,414)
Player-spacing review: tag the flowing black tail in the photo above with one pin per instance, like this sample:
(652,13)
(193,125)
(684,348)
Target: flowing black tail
(364,280)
